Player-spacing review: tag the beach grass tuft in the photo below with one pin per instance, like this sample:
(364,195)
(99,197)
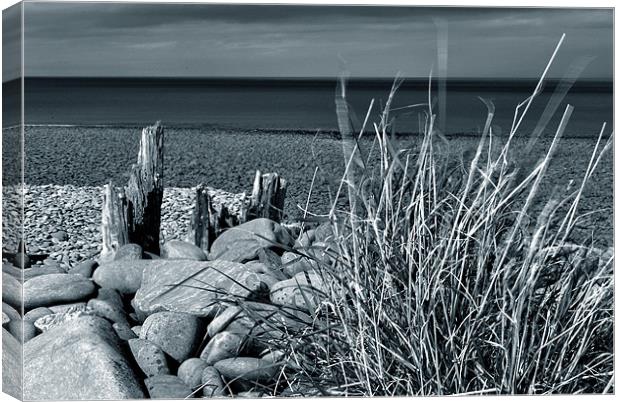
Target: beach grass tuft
(442,280)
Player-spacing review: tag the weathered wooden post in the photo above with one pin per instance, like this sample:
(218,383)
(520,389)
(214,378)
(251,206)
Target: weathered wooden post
(267,199)
(209,221)
(114,231)
(145,190)
(203,230)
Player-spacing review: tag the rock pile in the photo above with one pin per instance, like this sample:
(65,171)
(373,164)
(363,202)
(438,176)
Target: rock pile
(196,323)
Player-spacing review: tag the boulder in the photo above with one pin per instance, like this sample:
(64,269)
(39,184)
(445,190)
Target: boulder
(51,289)
(40,270)
(10,312)
(166,386)
(243,243)
(37,313)
(212,384)
(123,331)
(150,357)
(107,309)
(190,371)
(293,263)
(11,365)
(53,320)
(128,252)
(247,368)
(256,319)
(138,315)
(269,258)
(250,394)
(68,308)
(304,291)
(80,360)
(22,330)
(182,250)
(84,268)
(15,272)
(124,275)
(195,287)
(11,290)
(112,296)
(222,319)
(222,346)
(177,334)
(5,318)
(265,269)
(137,329)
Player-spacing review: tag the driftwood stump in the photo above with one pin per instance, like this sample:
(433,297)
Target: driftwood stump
(114,230)
(267,199)
(133,214)
(209,221)
(145,190)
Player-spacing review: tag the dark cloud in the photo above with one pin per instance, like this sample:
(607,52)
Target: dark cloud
(11,40)
(258,40)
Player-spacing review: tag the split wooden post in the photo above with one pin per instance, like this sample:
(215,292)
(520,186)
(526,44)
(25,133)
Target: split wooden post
(203,231)
(145,190)
(209,221)
(267,199)
(114,231)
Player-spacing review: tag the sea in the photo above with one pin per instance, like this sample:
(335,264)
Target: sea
(301,104)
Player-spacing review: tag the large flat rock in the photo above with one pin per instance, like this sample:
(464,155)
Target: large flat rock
(195,287)
(81,360)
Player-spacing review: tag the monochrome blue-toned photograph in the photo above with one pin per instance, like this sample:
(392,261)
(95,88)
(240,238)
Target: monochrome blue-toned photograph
(211,200)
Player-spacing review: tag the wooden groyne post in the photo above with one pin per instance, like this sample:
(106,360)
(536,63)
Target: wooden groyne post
(133,214)
(114,231)
(145,190)
(267,198)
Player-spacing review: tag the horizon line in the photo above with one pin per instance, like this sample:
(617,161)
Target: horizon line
(300,78)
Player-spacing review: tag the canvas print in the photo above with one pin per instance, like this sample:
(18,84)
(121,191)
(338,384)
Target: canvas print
(224,200)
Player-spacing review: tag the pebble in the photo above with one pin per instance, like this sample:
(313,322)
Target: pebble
(128,252)
(190,371)
(37,313)
(106,309)
(124,331)
(84,268)
(177,334)
(247,368)
(149,357)
(166,386)
(56,288)
(11,290)
(213,385)
(181,250)
(64,308)
(222,346)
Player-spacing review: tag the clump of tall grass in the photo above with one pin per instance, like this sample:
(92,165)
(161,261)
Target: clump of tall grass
(442,281)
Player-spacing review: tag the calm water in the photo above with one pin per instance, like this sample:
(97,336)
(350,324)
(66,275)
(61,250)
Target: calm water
(287,104)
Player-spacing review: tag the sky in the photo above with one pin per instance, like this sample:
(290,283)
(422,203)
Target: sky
(202,40)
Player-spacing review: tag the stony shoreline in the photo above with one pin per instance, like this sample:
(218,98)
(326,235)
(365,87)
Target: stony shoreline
(184,323)
(65,221)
